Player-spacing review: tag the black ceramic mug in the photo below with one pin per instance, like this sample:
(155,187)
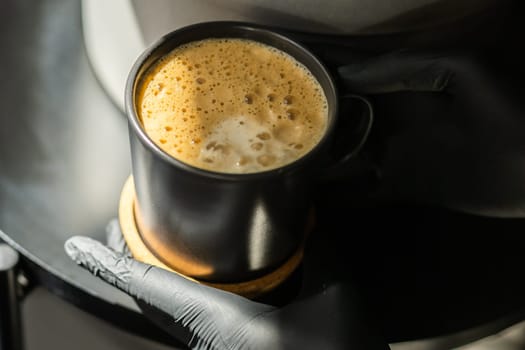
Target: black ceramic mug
(222,227)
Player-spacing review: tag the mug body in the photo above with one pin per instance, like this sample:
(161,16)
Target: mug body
(213,226)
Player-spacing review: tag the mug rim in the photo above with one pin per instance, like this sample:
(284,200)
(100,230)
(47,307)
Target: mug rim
(138,68)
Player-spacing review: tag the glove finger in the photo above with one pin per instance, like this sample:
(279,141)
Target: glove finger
(106,263)
(397,71)
(158,287)
(114,238)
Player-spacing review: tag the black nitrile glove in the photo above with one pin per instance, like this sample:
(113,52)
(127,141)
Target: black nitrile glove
(449,129)
(327,313)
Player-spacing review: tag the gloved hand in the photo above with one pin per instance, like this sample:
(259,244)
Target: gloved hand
(449,129)
(327,313)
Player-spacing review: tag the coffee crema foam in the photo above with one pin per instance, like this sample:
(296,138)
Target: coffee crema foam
(232,106)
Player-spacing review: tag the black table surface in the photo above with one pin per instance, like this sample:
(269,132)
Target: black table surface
(64,158)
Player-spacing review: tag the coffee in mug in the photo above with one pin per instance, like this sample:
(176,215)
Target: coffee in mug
(232,105)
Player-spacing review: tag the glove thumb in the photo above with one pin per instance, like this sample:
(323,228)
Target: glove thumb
(206,313)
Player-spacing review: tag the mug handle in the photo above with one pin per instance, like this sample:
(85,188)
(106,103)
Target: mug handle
(341,163)
(364,127)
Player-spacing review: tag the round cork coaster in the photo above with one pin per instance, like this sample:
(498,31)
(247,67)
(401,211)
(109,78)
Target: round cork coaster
(249,289)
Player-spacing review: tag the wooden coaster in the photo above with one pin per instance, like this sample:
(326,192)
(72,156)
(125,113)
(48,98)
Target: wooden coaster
(248,289)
